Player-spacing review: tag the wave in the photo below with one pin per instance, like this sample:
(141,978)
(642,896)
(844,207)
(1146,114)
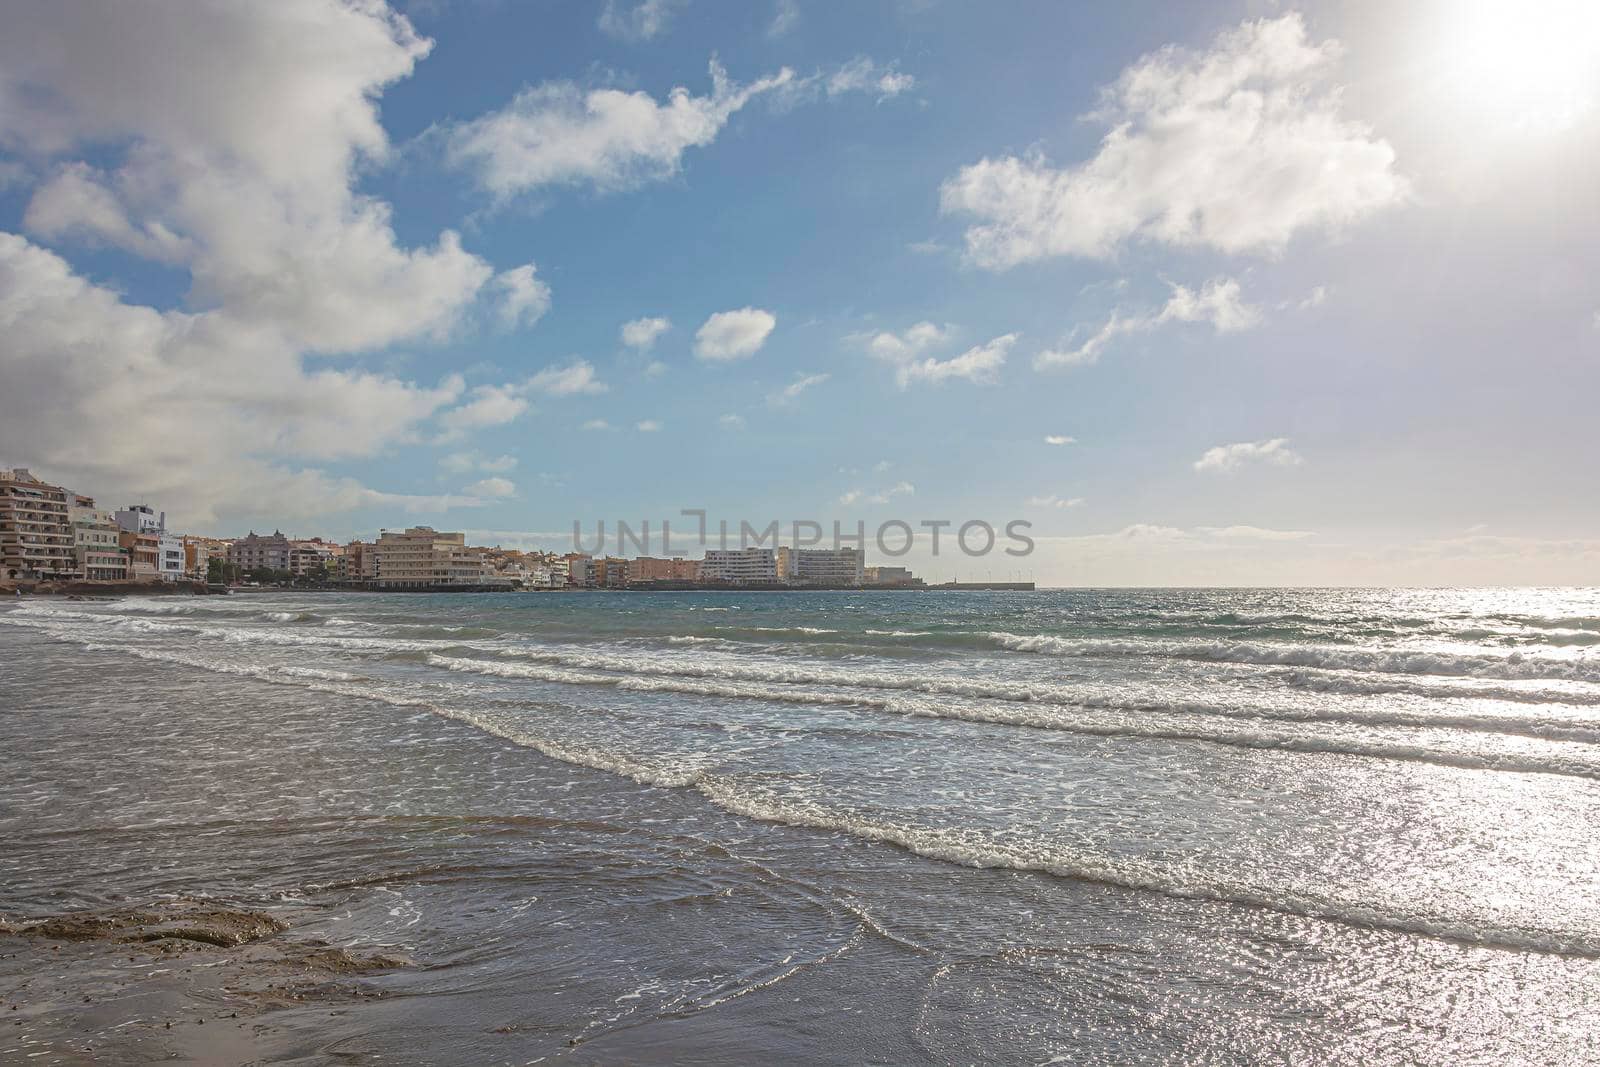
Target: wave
(1477,665)
(1166,879)
(1182,723)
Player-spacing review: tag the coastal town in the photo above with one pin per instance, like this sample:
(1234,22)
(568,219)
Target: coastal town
(51,534)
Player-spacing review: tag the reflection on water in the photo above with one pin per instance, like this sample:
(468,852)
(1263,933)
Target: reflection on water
(1109,826)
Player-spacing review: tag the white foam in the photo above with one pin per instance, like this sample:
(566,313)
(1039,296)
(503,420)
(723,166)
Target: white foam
(1390,661)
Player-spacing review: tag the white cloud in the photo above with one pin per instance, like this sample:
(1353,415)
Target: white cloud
(980,364)
(496,405)
(1316,298)
(1254,533)
(462,462)
(730,335)
(1059,439)
(242,170)
(597,424)
(76,203)
(1237,149)
(495,488)
(877,496)
(731,422)
(1054,501)
(640,334)
(240,173)
(487,405)
(577,377)
(791,392)
(641,22)
(647,426)
(524,298)
(785,16)
(558,134)
(899,348)
(1218,302)
(863,75)
(1224,459)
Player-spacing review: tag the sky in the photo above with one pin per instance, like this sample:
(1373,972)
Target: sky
(1233,293)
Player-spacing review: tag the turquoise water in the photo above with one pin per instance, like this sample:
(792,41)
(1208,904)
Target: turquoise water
(1217,826)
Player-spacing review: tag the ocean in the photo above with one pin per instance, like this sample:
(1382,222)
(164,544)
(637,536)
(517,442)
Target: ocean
(1079,826)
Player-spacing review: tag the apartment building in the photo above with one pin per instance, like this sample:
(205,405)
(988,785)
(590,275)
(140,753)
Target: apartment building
(96,543)
(824,566)
(305,557)
(655,569)
(198,552)
(739,565)
(423,558)
(143,550)
(611,572)
(580,569)
(36,534)
(254,550)
(355,565)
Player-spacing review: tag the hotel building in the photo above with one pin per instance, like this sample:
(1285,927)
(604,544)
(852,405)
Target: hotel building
(739,565)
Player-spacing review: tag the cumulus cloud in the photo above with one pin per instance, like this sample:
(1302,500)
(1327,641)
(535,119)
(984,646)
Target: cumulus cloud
(1237,149)
(492,488)
(730,335)
(905,352)
(791,392)
(496,405)
(640,334)
(558,134)
(639,22)
(731,422)
(523,297)
(1225,459)
(226,139)
(1218,302)
(647,426)
(1059,439)
(1054,501)
(902,347)
(980,364)
(597,424)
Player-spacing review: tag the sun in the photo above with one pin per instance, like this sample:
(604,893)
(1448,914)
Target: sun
(1528,65)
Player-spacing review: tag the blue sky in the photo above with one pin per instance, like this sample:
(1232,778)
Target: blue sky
(1305,293)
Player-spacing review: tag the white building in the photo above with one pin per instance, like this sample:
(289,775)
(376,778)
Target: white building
(141,519)
(169,557)
(739,565)
(822,566)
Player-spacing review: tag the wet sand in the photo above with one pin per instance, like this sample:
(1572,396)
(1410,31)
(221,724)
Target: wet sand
(185,980)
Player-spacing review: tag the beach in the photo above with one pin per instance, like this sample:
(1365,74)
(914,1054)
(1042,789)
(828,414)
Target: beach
(1086,826)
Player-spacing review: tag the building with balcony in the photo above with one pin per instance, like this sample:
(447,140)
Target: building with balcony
(739,565)
(96,541)
(423,558)
(823,566)
(36,534)
(654,569)
(255,550)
